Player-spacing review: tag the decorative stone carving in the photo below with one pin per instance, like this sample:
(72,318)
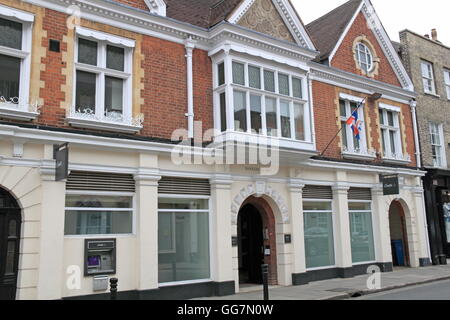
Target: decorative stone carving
(259,189)
(263,17)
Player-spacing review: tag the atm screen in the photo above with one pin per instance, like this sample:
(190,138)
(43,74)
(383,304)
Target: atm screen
(93,261)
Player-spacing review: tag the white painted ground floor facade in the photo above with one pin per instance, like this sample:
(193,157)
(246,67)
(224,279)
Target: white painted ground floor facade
(168,237)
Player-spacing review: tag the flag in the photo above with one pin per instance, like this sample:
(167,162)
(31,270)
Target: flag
(355,124)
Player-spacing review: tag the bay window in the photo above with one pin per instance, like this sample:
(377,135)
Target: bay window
(103,82)
(183,239)
(258,99)
(15,63)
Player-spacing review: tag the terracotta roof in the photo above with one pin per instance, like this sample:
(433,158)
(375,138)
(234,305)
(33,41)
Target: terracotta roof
(202,13)
(326,30)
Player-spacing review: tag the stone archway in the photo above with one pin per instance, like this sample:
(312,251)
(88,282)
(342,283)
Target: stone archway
(267,233)
(398,227)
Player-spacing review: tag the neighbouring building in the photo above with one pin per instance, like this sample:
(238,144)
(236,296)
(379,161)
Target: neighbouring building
(282,180)
(428,63)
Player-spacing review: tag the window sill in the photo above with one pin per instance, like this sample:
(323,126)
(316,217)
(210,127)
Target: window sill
(10,111)
(434,95)
(89,121)
(359,155)
(405,160)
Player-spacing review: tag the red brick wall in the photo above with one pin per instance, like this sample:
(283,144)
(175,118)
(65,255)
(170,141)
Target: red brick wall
(54,23)
(326,123)
(344,58)
(203,98)
(140,4)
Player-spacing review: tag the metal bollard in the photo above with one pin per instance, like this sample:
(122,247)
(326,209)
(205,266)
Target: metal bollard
(265,276)
(113,288)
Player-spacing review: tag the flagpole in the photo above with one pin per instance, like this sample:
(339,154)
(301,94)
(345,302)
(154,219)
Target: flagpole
(340,130)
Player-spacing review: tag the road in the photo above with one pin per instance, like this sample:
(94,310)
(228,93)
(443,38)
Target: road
(431,291)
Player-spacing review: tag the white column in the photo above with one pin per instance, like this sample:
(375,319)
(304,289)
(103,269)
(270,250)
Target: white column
(221,233)
(190,45)
(147,222)
(51,251)
(380,216)
(421,248)
(298,239)
(342,223)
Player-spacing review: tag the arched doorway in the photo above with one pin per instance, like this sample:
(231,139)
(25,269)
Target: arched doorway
(399,235)
(10,224)
(256,241)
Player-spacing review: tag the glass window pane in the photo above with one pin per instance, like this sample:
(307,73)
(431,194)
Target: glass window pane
(12,230)
(81,222)
(283,84)
(359,206)
(166,233)
(392,139)
(316,206)
(271,117)
(255,113)
(10,34)
(240,111)
(10,257)
(9,79)
(92,201)
(189,259)
(381,115)
(115,58)
(383,137)
(342,108)
(269,81)
(183,204)
(223,112)
(297,88)
(299,118)
(285,119)
(87,52)
(319,243)
(362,237)
(390,117)
(344,133)
(221,73)
(113,95)
(238,73)
(85,92)
(254,77)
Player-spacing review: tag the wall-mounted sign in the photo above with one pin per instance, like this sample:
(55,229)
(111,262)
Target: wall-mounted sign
(391,185)
(61,155)
(287,238)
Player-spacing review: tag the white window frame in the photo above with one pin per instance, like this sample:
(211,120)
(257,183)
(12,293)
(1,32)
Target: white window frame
(228,87)
(438,129)
(447,82)
(369,57)
(373,229)
(98,120)
(385,130)
(333,221)
(210,236)
(350,151)
(428,77)
(21,108)
(108,194)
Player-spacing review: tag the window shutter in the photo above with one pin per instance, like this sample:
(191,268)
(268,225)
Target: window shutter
(188,186)
(95,181)
(359,194)
(317,192)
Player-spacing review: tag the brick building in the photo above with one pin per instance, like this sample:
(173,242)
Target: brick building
(170,207)
(428,63)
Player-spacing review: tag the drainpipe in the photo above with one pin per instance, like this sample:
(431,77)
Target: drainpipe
(413,105)
(190,45)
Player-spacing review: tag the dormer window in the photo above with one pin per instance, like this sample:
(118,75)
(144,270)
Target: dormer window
(364,57)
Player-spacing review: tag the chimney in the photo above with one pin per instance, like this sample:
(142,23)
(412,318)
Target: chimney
(434,34)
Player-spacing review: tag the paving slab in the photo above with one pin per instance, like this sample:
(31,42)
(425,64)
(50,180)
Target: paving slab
(334,289)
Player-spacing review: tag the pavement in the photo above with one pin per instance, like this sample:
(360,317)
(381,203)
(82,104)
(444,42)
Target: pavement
(339,289)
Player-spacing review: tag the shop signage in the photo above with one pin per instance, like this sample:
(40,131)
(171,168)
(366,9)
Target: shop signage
(61,155)
(390,185)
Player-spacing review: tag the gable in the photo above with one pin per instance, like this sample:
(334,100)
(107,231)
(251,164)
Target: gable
(344,57)
(263,17)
